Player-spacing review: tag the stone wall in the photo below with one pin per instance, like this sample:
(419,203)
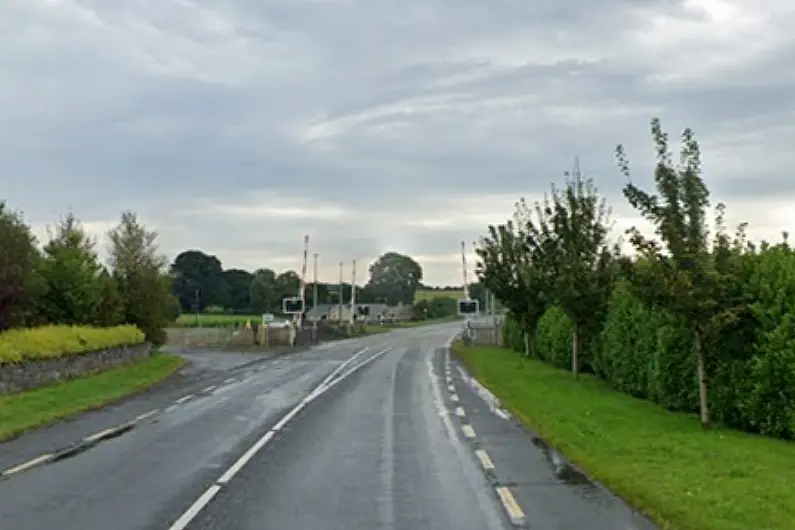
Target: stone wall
(32,374)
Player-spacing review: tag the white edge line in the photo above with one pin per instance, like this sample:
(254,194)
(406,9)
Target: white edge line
(30,463)
(195,508)
(98,435)
(145,415)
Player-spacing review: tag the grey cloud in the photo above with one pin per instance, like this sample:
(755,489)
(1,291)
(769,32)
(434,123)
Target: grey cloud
(156,109)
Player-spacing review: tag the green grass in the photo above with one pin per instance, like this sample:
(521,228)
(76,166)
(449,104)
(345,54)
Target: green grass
(426,294)
(25,410)
(664,463)
(214,320)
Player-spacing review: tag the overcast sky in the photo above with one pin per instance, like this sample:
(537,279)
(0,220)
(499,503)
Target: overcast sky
(238,126)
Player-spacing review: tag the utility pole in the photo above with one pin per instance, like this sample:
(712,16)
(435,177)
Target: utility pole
(464,269)
(340,293)
(302,284)
(353,292)
(196,294)
(314,289)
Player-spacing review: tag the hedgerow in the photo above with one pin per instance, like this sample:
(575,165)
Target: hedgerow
(45,342)
(693,323)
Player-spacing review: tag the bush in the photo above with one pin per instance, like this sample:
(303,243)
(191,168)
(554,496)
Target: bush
(55,341)
(649,354)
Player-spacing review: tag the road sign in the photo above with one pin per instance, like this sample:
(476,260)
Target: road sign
(292,306)
(468,307)
(268,317)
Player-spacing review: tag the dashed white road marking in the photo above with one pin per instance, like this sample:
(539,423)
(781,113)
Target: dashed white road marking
(468,431)
(170,408)
(210,388)
(459,411)
(454,397)
(229,380)
(451,388)
(485,460)
(183,399)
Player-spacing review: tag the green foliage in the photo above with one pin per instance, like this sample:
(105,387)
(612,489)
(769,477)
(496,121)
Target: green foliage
(71,273)
(583,260)
(141,277)
(698,321)
(434,308)
(394,278)
(55,341)
(20,280)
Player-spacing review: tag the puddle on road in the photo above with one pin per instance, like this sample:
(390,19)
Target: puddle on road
(564,471)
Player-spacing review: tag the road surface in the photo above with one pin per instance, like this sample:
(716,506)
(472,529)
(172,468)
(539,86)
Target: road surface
(381,432)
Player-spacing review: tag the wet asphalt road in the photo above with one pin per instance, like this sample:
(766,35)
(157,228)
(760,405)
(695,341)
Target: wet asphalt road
(399,438)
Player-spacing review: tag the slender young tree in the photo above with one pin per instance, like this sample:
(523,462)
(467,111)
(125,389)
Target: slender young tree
(683,276)
(585,260)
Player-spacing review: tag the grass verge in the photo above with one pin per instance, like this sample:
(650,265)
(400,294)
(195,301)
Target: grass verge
(25,410)
(664,463)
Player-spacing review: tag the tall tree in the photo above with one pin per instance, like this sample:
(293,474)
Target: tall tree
(110,309)
(262,292)
(682,276)
(20,282)
(235,289)
(71,272)
(516,263)
(197,279)
(140,272)
(394,278)
(585,260)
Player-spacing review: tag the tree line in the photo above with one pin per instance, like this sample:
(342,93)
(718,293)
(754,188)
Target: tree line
(698,319)
(64,282)
(202,284)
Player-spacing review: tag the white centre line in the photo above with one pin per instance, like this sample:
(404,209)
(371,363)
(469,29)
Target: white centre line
(323,387)
(468,431)
(454,398)
(459,411)
(209,388)
(183,399)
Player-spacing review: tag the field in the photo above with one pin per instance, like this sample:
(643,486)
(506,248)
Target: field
(214,320)
(664,463)
(427,294)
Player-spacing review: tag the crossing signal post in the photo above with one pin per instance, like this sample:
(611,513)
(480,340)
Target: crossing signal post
(467,307)
(293,306)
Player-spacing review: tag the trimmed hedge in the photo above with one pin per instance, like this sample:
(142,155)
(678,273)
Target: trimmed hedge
(55,341)
(646,353)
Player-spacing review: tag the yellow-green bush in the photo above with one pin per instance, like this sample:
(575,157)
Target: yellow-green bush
(55,341)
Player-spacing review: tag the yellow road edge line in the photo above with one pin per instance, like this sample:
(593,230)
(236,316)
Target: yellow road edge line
(468,431)
(485,459)
(509,503)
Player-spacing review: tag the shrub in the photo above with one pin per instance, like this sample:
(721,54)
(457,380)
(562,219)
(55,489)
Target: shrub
(55,341)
